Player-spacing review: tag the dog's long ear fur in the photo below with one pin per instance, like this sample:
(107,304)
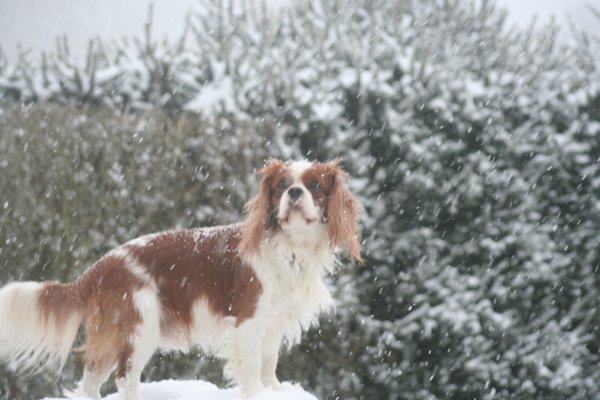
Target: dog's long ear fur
(343,213)
(258,211)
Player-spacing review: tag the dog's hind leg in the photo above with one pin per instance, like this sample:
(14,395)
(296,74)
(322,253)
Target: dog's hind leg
(93,378)
(134,356)
(95,374)
(129,372)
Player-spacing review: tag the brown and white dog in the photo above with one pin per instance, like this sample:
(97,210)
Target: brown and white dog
(237,291)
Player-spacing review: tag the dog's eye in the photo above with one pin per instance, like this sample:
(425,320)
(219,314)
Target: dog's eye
(282,185)
(315,185)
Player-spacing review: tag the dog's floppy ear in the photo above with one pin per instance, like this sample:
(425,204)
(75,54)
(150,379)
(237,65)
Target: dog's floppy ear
(258,210)
(343,213)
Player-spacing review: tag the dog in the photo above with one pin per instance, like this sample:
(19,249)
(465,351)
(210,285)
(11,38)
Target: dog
(239,291)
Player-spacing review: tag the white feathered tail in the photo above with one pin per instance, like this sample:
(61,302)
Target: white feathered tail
(38,324)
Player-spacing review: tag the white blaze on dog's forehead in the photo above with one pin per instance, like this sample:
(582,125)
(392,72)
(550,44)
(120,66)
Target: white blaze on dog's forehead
(297,168)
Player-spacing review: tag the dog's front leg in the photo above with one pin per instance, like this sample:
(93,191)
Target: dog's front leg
(271,344)
(244,357)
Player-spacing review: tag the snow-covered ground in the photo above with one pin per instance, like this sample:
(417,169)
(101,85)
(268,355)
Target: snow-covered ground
(199,390)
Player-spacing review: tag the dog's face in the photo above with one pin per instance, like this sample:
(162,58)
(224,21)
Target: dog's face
(299,194)
(296,197)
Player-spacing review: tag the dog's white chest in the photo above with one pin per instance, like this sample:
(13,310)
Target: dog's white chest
(294,293)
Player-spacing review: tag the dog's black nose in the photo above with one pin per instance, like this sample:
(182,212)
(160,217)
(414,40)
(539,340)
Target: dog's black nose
(295,192)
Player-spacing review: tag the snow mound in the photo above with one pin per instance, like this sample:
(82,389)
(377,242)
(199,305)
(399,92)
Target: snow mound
(199,390)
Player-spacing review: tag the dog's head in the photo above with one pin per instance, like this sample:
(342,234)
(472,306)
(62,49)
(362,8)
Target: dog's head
(297,197)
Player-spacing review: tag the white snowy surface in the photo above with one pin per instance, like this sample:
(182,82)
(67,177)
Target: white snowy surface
(199,390)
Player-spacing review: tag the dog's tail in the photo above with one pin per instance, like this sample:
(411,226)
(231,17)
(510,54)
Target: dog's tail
(39,323)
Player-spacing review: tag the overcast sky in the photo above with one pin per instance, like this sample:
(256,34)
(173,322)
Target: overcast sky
(34,24)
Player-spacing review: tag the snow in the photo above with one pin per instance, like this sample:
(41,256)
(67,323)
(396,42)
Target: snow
(200,390)
(215,97)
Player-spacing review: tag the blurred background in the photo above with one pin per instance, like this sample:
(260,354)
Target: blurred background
(470,132)
(34,25)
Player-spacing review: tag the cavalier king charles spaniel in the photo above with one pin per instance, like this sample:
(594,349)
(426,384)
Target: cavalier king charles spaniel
(239,291)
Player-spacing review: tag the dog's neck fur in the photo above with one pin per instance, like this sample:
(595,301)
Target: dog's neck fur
(292,272)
